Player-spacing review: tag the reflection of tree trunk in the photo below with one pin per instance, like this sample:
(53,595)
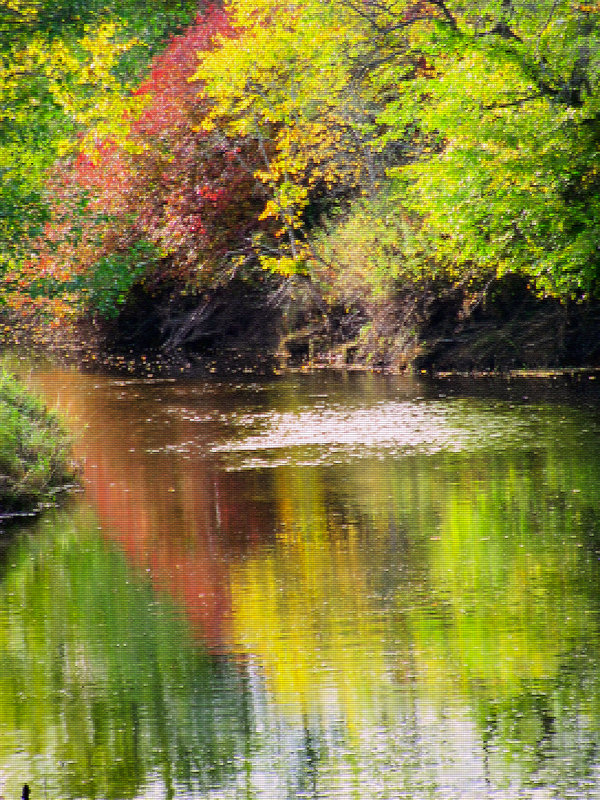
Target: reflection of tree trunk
(414,731)
(310,761)
(491,725)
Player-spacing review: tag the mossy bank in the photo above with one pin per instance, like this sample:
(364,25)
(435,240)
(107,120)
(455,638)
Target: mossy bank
(35,452)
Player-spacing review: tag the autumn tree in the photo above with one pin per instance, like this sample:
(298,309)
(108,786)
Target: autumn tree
(163,207)
(66,69)
(489,112)
(287,81)
(431,138)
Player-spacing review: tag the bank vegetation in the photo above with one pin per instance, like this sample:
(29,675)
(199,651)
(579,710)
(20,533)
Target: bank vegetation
(400,183)
(35,452)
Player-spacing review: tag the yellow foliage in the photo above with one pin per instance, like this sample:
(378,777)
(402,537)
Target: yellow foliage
(19,11)
(80,78)
(286,81)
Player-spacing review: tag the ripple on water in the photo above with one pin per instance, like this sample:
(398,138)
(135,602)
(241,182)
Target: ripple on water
(328,435)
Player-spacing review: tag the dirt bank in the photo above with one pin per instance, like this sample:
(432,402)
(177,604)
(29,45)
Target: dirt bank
(505,328)
(242,328)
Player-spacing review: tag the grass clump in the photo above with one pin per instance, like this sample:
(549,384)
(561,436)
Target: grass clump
(35,451)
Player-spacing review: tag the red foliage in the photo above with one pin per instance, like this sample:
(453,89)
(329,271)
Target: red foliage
(174,95)
(189,192)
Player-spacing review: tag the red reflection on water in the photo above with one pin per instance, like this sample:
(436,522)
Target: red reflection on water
(176,516)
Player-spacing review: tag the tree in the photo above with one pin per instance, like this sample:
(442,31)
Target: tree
(66,69)
(507,118)
(160,203)
(286,80)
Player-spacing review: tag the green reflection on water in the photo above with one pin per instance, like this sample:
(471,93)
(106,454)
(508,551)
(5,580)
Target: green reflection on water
(409,599)
(102,692)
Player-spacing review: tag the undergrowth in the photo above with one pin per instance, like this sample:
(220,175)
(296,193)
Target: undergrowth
(35,451)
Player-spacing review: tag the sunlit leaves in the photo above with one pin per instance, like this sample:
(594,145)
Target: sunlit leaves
(257,121)
(66,68)
(79,78)
(147,177)
(55,95)
(508,107)
(286,81)
(16,16)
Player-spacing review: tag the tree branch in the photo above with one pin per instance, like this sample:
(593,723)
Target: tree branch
(520,101)
(450,18)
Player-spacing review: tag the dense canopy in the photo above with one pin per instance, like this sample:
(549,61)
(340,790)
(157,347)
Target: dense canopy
(190,147)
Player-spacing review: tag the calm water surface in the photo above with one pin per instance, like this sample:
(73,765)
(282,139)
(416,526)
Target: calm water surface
(316,586)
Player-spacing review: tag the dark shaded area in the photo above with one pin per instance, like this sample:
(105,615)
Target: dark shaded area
(511,328)
(441,328)
(234,326)
(269,322)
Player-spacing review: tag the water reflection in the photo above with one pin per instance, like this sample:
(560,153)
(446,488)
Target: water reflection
(443,613)
(102,693)
(325,586)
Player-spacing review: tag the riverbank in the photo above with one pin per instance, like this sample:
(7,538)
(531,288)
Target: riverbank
(505,327)
(35,454)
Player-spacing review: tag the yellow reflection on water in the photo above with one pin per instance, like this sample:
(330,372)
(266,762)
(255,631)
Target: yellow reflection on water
(302,609)
(492,592)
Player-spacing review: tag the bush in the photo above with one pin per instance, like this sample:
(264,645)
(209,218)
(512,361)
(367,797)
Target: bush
(35,461)
(373,250)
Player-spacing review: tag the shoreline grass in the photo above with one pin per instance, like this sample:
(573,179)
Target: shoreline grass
(35,451)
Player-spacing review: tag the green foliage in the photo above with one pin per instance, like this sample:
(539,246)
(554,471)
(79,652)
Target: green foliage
(506,106)
(467,137)
(151,22)
(16,18)
(66,71)
(106,287)
(286,81)
(34,450)
(486,115)
(371,249)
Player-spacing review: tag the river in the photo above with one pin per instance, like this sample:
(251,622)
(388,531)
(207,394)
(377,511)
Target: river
(320,585)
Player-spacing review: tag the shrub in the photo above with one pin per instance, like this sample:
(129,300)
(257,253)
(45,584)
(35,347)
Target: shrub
(35,460)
